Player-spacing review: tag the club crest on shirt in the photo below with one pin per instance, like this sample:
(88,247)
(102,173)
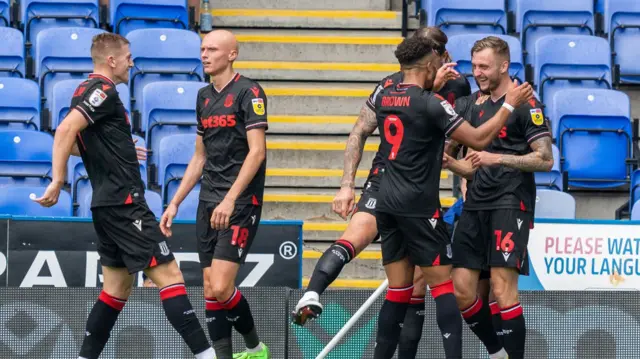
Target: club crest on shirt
(97,98)
(536,116)
(258,106)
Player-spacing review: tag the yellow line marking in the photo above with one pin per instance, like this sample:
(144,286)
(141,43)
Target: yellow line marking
(366,255)
(313,119)
(311,172)
(339,40)
(315,146)
(325,226)
(318,92)
(351,283)
(383,15)
(327,198)
(316,66)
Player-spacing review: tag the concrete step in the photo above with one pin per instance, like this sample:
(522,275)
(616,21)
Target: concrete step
(318,45)
(313,205)
(315,71)
(314,152)
(303,4)
(314,19)
(300,124)
(365,271)
(319,99)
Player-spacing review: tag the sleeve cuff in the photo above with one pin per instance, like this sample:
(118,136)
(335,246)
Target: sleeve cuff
(200,132)
(85,114)
(254,125)
(538,135)
(455,124)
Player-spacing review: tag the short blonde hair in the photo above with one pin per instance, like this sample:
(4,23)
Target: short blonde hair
(105,43)
(499,46)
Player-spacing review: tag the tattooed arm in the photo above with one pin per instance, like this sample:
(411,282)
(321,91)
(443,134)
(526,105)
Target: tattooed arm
(364,127)
(540,160)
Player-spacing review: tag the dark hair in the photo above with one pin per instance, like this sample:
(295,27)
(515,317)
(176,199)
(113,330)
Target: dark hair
(436,35)
(413,49)
(499,46)
(103,43)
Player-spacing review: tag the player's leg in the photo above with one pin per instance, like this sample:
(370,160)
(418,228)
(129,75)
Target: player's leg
(485,292)
(414,319)
(360,232)
(469,258)
(429,247)
(231,249)
(508,261)
(400,275)
(137,234)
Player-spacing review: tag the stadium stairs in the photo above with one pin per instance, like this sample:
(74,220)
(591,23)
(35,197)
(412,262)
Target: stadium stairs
(318,61)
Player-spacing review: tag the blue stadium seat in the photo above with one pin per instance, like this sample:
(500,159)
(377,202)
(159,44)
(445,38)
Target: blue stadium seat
(163,55)
(593,132)
(622,23)
(538,18)
(459,47)
(554,204)
(634,194)
(129,15)
(63,93)
(61,54)
(552,179)
(167,109)
(571,61)
(11,53)
(465,16)
(153,201)
(174,154)
(18,201)
(600,6)
(78,178)
(5,13)
(189,207)
(19,104)
(635,212)
(38,15)
(25,157)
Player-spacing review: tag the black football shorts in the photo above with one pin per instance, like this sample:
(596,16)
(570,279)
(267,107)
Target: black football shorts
(492,238)
(129,236)
(231,244)
(368,200)
(424,240)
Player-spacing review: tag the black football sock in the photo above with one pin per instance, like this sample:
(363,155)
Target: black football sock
(514,331)
(478,317)
(496,319)
(183,318)
(390,320)
(239,313)
(101,320)
(448,318)
(219,328)
(411,329)
(330,265)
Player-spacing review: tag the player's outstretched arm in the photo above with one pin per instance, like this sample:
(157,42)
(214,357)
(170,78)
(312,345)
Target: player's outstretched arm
(63,145)
(539,160)
(480,137)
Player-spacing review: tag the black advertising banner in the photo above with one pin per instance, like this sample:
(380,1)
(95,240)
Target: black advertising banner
(62,253)
(4,227)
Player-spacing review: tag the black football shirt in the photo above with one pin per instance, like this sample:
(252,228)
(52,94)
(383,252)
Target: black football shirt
(107,148)
(451,91)
(223,121)
(501,187)
(413,124)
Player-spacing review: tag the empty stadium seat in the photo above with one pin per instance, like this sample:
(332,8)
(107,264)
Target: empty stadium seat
(571,61)
(38,15)
(554,204)
(153,201)
(635,212)
(5,13)
(129,15)
(11,53)
(18,201)
(552,179)
(538,18)
(168,108)
(622,23)
(174,153)
(464,16)
(459,47)
(163,55)
(25,157)
(79,179)
(62,54)
(19,104)
(593,132)
(63,93)
(634,187)
(189,207)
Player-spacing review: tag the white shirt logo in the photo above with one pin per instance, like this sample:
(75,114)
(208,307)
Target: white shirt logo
(97,98)
(519,223)
(138,224)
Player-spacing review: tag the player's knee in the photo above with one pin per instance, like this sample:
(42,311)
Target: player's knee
(483,290)
(504,291)
(221,290)
(465,296)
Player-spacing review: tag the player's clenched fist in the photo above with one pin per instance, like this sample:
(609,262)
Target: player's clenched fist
(343,202)
(519,94)
(483,159)
(444,74)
